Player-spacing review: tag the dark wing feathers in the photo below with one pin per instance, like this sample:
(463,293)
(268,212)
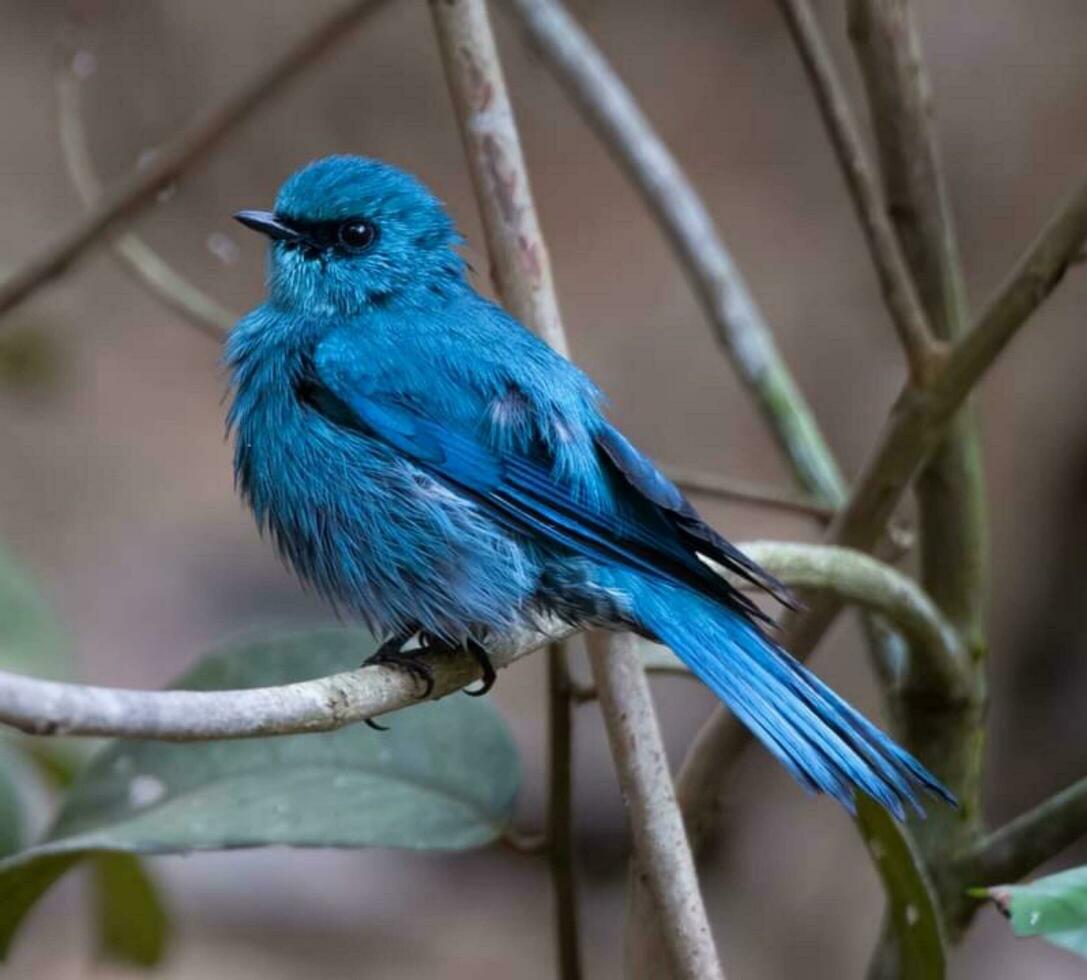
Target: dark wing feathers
(641,473)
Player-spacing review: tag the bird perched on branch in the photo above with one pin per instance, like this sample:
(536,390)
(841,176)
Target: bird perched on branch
(427,463)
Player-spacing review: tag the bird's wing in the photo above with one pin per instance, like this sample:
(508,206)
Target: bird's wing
(643,476)
(523,492)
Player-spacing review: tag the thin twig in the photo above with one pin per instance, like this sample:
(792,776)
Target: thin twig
(609,107)
(560,813)
(1016,849)
(899,292)
(138,189)
(728,488)
(662,854)
(200,310)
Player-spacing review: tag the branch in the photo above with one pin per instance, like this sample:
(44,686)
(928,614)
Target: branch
(138,189)
(727,488)
(521,269)
(40,707)
(899,292)
(201,311)
(1016,849)
(919,420)
(951,488)
(560,811)
(946,731)
(521,266)
(914,430)
(888,48)
(661,850)
(612,111)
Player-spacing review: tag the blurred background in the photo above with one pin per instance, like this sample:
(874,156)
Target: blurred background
(115,481)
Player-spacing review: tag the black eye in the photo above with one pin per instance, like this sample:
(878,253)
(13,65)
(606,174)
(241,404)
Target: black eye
(356,235)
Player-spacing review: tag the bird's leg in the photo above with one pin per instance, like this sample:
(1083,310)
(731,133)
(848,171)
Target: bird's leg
(477,650)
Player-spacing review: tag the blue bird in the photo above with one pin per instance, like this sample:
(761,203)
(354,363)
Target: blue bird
(425,462)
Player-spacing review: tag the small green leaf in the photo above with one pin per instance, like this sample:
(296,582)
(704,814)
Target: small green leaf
(132,924)
(917,924)
(445,778)
(1054,907)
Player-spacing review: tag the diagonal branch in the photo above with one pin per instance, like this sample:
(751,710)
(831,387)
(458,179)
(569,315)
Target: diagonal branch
(138,189)
(1016,849)
(899,292)
(919,419)
(609,107)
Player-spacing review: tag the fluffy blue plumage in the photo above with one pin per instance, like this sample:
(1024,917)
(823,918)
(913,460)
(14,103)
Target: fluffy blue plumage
(430,465)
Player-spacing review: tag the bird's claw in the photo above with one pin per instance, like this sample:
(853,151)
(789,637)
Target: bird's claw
(484,661)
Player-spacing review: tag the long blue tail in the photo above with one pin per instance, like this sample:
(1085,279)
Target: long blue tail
(826,744)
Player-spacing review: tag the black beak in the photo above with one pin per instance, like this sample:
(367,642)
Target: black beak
(267,224)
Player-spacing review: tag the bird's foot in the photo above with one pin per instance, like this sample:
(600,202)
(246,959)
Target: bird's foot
(412,662)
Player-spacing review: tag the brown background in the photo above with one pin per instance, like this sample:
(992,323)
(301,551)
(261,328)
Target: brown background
(115,481)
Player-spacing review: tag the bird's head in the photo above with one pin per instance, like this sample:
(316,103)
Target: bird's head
(349,233)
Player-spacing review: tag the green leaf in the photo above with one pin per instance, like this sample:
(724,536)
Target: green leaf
(918,928)
(31,641)
(1054,907)
(132,924)
(445,777)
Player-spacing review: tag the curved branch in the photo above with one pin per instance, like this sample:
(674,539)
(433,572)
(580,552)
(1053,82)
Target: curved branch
(138,189)
(857,579)
(40,707)
(609,107)
(202,311)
